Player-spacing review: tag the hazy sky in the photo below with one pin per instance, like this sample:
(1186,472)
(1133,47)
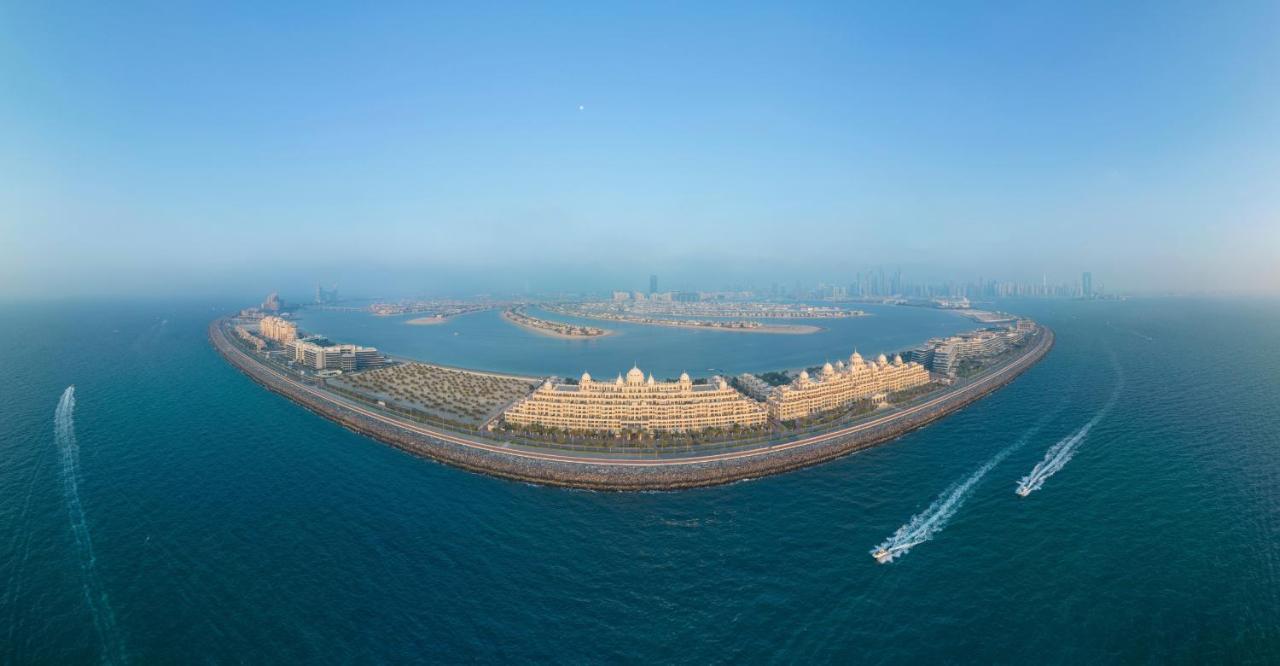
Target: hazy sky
(261,145)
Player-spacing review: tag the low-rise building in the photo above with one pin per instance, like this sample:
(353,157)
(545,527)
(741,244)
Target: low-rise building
(248,336)
(637,404)
(949,352)
(754,386)
(344,357)
(840,385)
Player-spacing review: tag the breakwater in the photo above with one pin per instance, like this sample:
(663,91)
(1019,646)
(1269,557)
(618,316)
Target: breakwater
(622,471)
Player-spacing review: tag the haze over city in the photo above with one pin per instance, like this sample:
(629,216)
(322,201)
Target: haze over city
(152,150)
(656,333)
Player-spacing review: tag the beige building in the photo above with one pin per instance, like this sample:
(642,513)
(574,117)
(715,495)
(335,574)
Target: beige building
(248,336)
(841,384)
(637,403)
(280,330)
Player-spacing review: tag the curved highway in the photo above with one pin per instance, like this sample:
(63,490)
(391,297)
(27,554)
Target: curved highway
(855,436)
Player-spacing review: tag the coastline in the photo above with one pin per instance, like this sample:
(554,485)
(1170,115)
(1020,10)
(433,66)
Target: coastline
(620,472)
(506,315)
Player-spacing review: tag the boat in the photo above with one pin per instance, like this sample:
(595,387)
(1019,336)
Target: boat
(886,555)
(1023,491)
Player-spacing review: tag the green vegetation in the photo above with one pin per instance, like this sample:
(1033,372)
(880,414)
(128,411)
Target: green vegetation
(775,378)
(899,397)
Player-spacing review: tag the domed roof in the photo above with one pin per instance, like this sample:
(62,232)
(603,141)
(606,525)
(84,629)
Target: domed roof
(827,369)
(585,378)
(635,376)
(684,377)
(881,359)
(804,374)
(649,381)
(618,381)
(897,359)
(856,359)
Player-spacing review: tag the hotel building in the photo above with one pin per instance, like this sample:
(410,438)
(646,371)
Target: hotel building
(637,404)
(280,330)
(841,384)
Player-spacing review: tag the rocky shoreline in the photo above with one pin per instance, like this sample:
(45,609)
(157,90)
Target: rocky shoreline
(623,473)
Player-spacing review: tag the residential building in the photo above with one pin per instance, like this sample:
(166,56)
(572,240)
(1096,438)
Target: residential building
(278,329)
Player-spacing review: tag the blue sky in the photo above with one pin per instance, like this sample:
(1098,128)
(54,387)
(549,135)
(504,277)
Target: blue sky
(175,147)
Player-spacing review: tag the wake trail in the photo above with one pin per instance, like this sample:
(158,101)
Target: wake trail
(1061,453)
(64,431)
(924,525)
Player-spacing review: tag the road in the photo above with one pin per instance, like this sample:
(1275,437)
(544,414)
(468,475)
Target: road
(986,382)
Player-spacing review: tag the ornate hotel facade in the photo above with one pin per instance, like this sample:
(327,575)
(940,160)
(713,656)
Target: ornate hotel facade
(842,384)
(637,403)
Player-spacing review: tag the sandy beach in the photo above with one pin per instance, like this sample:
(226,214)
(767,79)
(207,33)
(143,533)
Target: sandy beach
(427,321)
(550,333)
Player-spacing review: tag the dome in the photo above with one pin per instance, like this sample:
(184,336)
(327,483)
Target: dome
(649,381)
(827,369)
(839,365)
(856,359)
(586,379)
(881,359)
(684,377)
(635,376)
(618,381)
(804,375)
(897,359)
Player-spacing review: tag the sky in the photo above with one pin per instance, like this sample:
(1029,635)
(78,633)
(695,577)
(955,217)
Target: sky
(165,147)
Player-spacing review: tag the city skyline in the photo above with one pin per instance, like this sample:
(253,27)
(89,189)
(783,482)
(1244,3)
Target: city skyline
(869,283)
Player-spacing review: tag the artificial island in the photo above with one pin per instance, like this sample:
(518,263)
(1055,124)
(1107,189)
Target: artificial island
(634,431)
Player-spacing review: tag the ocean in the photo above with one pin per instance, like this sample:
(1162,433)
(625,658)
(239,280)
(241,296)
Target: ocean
(169,510)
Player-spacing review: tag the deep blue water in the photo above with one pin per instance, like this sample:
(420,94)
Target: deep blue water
(227,524)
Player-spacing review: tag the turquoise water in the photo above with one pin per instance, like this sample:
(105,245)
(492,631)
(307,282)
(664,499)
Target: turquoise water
(227,524)
(485,341)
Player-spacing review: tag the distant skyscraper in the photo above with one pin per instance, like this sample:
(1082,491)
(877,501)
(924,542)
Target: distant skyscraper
(324,296)
(1086,284)
(653,284)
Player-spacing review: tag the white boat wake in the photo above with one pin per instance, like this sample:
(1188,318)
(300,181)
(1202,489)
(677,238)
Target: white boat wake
(64,431)
(1061,453)
(924,525)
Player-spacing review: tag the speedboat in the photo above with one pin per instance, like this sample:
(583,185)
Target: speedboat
(886,555)
(1023,491)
